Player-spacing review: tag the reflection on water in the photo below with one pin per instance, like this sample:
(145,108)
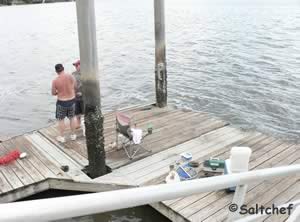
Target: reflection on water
(136,214)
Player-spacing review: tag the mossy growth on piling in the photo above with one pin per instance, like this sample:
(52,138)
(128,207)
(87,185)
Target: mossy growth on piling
(95,141)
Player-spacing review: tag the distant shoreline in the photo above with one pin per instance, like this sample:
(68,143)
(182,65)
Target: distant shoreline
(24,2)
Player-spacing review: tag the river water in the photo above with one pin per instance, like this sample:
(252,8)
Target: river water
(236,59)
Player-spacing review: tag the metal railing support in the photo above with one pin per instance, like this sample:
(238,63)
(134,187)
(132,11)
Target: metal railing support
(239,162)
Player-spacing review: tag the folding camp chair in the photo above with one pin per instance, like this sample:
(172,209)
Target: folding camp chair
(123,127)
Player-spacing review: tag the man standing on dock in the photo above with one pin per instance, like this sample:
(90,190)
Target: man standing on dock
(63,86)
(79,108)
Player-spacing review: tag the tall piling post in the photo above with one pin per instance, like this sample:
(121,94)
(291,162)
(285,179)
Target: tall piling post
(160,54)
(90,87)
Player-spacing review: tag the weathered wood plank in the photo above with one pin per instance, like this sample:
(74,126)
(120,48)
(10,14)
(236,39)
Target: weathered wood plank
(71,151)
(182,131)
(39,161)
(83,186)
(158,124)
(142,116)
(267,195)
(8,172)
(212,206)
(220,211)
(58,157)
(4,184)
(171,153)
(24,191)
(168,121)
(259,195)
(199,155)
(196,149)
(23,176)
(156,158)
(185,136)
(26,163)
(283,198)
(166,142)
(182,203)
(284,159)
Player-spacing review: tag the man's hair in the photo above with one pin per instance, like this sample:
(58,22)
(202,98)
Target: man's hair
(59,68)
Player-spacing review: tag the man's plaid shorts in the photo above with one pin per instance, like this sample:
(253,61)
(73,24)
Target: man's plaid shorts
(63,111)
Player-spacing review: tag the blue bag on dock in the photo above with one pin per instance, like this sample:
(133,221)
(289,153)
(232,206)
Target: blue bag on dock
(186,173)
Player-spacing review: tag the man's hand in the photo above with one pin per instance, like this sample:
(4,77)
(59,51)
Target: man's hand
(53,89)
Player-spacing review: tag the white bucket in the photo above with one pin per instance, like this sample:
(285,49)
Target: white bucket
(239,159)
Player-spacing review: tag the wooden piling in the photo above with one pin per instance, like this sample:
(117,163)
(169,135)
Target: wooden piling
(90,87)
(160,54)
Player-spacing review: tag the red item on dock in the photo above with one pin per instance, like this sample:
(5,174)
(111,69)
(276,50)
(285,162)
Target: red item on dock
(9,157)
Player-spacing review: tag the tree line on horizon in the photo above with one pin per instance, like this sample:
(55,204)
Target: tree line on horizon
(11,2)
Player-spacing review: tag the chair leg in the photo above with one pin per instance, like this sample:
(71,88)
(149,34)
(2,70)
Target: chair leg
(117,139)
(132,149)
(140,147)
(128,153)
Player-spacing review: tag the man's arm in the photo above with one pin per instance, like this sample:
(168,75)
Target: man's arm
(53,90)
(76,86)
(75,83)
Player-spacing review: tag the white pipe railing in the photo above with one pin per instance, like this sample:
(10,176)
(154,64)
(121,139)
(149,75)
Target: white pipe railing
(86,204)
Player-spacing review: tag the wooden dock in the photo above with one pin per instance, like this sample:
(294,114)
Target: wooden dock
(174,131)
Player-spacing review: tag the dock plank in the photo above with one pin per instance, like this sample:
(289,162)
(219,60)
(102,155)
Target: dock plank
(293,194)
(284,197)
(8,171)
(286,158)
(174,131)
(162,168)
(4,184)
(214,206)
(30,168)
(182,203)
(58,157)
(76,152)
(255,190)
(39,161)
(16,166)
(206,138)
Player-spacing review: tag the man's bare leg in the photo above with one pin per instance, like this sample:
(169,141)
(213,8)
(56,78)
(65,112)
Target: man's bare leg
(78,121)
(61,125)
(73,124)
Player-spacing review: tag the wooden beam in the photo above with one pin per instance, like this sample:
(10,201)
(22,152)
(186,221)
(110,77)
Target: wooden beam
(23,192)
(160,54)
(83,186)
(93,118)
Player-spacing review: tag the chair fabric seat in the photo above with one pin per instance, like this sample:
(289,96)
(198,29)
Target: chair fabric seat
(123,127)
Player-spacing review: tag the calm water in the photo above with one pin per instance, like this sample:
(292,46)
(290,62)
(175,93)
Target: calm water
(237,60)
(137,214)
